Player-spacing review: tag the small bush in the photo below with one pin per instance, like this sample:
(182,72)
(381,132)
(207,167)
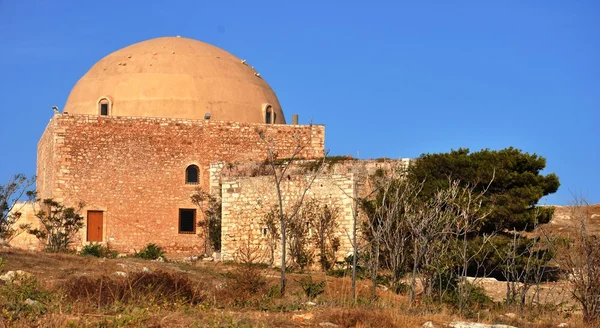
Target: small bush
(339,273)
(311,289)
(151,252)
(475,297)
(400,288)
(344,269)
(98,250)
(246,286)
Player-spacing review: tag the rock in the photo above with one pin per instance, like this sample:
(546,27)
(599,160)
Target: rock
(428,324)
(190,259)
(328,324)
(208,259)
(120,274)
(510,315)
(309,303)
(31,302)
(160,259)
(145,269)
(459,324)
(122,265)
(303,317)
(562,324)
(12,275)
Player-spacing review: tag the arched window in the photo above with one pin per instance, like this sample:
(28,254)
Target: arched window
(269,115)
(104,107)
(191,174)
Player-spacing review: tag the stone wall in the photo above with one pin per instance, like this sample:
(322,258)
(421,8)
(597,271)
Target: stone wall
(249,192)
(46,163)
(22,239)
(133,169)
(246,201)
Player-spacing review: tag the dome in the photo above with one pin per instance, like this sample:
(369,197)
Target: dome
(177,78)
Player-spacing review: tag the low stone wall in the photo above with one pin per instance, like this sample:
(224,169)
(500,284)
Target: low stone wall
(22,239)
(246,201)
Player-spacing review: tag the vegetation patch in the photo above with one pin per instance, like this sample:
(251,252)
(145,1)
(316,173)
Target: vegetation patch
(98,250)
(151,252)
(137,287)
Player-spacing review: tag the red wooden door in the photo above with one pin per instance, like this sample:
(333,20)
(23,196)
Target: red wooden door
(94,225)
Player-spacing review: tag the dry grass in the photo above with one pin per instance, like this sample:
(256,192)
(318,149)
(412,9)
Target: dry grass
(138,287)
(87,293)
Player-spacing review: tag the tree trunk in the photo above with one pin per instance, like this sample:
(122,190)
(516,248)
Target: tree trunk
(413,278)
(283,238)
(354,256)
(375,264)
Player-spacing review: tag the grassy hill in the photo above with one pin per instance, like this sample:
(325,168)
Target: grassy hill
(64,290)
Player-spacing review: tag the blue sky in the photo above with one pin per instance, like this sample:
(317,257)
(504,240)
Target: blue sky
(387,78)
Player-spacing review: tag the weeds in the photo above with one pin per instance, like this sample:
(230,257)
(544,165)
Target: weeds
(151,252)
(311,289)
(23,297)
(98,250)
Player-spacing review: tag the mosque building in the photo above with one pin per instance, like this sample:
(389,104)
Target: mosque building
(151,123)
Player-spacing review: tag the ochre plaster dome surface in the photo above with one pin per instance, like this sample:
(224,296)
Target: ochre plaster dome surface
(178,78)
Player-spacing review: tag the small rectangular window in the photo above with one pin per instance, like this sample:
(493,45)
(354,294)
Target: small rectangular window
(187,220)
(104,109)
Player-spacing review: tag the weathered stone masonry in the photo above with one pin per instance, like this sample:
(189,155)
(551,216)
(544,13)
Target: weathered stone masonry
(246,201)
(133,168)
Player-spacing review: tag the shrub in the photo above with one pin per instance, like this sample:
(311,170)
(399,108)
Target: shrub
(245,286)
(211,226)
(151,252)
(98,250)
(344,269)
(59,225)
(475,297)
(311,289)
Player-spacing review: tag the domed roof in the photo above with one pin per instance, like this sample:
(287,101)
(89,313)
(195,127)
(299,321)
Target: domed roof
(178,78)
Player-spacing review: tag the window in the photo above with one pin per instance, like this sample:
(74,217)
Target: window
(104,105)
(191,174)
(268,114)
(187,220)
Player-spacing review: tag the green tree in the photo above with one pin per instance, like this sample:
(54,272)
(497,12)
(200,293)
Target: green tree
(211,226)
(17,187)
(59,224)
(517,183)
